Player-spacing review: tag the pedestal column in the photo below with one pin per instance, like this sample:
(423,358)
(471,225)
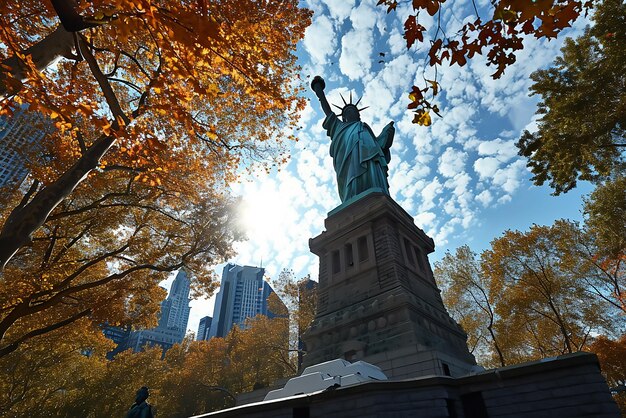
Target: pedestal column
(378,300)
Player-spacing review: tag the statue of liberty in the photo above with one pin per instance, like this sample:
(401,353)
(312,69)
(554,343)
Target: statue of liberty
(360,158)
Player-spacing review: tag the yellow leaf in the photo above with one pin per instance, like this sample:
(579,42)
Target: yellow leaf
(422,118)
(434,86)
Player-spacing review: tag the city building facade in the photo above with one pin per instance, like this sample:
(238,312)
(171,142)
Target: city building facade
(19,133)
(204,328)
(243,294)
(119,335)
(173,319)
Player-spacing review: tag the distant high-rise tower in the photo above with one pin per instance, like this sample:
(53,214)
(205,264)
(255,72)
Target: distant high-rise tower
(204,328)
(243,294)
(172,319)
(175,309)
(22,131)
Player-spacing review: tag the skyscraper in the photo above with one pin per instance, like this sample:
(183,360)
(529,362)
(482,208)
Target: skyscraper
(175,309)
(172,319)
(204,328)
(18,133)
(243,294)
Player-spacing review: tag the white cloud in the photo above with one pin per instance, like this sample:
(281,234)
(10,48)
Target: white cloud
(339,9)
(356,45)
(364,16)
(485,198)
(505,150)
(320,40)
(425,219)
(429,193)
(510,178)
(396,41)
(356,50)
(452,162)
(486,167)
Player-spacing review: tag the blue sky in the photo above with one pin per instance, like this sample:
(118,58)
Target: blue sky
(460,178)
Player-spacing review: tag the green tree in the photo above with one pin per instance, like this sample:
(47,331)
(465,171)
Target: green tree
(582,130)
(605,217)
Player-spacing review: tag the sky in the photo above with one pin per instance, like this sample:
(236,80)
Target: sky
(461,178)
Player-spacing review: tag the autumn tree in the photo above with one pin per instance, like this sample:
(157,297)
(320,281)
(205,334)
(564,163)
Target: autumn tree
(612,356)
(498,30)
(203,376)
(54,370)
(546,308)
(139,81)
(532,295)
(583,255)
(472,300)
(299,296)
(201,382)
(103,253)
(581,134)
(604,243)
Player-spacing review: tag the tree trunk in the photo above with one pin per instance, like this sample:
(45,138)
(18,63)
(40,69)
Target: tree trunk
(26,218)
(45,52)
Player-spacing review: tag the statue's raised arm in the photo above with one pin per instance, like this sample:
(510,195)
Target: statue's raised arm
(318,85)
(360,158)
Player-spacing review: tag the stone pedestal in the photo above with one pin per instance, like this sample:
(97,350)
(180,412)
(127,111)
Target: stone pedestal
(377,298)
(568,386)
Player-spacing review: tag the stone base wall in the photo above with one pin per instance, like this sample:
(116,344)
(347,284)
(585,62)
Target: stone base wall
(377,295)
(568,386)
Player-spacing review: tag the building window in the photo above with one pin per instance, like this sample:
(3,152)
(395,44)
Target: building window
(349,256)
(446,369)
(420,258)
(361,244)
(336,262)
(408,249)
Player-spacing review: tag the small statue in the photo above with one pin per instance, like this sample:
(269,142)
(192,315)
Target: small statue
(360,158)
(141,408)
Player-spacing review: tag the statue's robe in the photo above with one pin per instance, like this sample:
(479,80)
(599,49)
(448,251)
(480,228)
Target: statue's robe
(360,158)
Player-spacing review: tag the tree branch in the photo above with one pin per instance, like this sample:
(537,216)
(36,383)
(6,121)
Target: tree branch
(107,90)
(24,220)
(9,348)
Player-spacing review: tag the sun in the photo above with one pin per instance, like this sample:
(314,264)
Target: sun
(263,211)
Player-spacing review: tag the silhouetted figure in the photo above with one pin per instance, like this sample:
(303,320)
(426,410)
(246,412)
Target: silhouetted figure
(141,408)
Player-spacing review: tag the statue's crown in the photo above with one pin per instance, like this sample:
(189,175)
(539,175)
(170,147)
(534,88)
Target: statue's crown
(346,105)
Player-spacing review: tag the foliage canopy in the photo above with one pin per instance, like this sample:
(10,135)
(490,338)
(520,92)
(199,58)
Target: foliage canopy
(582,130)
(155,106)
